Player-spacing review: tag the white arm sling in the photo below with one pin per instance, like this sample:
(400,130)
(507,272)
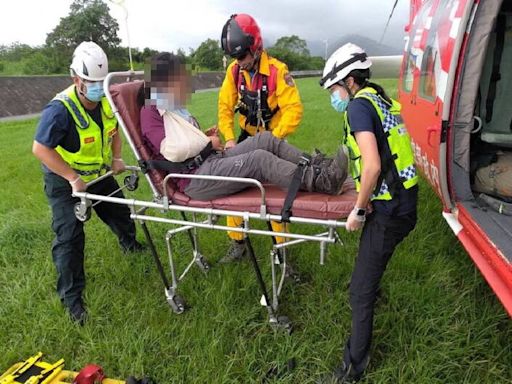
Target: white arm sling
(182,139)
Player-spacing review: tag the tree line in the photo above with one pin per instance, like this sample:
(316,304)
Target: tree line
(91,20)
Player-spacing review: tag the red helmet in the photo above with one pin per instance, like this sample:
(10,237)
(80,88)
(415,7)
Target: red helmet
(240,35)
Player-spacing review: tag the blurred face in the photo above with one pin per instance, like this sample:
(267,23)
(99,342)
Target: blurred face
(171,90)
(175,87)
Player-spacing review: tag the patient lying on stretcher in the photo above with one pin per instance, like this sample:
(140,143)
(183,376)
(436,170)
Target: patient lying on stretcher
(171,133)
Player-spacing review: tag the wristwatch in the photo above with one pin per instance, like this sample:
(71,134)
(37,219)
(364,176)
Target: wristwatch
(360,211)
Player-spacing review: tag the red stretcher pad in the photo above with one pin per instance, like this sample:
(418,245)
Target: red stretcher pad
(306,204)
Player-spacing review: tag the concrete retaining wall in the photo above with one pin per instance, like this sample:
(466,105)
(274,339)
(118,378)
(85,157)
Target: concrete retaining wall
(27,95)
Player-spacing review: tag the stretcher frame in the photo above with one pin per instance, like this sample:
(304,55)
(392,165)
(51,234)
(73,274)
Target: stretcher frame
(161,203)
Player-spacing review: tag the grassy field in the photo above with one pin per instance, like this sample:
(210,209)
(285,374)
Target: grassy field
(436,322)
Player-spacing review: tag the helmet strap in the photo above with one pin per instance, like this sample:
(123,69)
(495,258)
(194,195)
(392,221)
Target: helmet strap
(257,53)
(345,86)
(82,87)
(256,62)
(256,58)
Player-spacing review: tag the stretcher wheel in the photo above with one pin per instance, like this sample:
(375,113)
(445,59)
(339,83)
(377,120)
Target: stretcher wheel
(82,211)
(177,304)
(284,323)
(203,264)
(292,274)
(131,182)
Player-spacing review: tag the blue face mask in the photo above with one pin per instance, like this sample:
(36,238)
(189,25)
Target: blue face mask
(339,104)
(164,100)
(94,91)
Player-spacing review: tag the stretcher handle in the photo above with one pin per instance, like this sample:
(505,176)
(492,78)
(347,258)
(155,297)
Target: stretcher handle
(127,168)
(245,180)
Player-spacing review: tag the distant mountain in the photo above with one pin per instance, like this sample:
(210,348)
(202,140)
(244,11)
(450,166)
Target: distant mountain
(372,47)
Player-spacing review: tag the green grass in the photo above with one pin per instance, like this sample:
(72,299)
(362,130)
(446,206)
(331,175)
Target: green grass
(437,322)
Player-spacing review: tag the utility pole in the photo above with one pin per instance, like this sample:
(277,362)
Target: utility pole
(326,42)
(224,62)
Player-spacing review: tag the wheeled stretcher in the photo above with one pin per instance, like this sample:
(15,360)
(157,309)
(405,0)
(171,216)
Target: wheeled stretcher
(256,203)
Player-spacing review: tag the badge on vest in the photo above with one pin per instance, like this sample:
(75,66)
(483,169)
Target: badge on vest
(289,80)
(89,140)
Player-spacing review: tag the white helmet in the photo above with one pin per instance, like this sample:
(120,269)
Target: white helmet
(89,62)
(343,61)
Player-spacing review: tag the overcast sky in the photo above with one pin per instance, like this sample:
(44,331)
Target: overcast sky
(170,24)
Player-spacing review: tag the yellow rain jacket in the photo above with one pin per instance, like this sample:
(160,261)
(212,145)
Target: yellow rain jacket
(283,97)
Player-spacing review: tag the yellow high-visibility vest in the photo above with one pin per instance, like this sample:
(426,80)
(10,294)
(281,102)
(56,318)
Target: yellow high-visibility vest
(94,157)
(398,141)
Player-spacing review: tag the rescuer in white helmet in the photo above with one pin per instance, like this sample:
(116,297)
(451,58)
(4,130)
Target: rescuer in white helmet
(382,165)
(77,141)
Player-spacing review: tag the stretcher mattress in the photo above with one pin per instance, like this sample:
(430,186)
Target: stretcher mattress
(307,205)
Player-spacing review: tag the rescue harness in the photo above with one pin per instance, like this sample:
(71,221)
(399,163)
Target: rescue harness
(254,104)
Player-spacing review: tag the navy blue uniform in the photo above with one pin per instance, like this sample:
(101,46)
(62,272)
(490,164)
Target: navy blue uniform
(388,224)
(57,128)
(364,118)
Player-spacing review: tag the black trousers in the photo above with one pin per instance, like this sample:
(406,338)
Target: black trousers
(381,234)
(69,242)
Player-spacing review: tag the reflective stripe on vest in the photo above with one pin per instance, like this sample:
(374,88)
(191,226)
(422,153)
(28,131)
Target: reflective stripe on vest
(94,157)
(398,141)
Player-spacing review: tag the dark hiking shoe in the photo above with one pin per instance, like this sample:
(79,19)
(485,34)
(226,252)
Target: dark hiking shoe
(340,375)
(330,175)
(346,374)
(236,252)
(318,158)
(78,313)
(134,248)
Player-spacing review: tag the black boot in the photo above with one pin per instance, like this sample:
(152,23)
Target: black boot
(77,312)
(318,158)
(326,175)
(346,374)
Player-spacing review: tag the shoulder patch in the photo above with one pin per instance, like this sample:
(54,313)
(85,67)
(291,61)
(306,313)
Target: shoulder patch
(288,79)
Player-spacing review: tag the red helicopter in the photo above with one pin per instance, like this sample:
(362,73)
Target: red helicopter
(455,87)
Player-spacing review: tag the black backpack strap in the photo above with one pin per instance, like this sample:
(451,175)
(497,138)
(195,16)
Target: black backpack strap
(236,75)
(495,75)
(163,165)
(243,135)
(178,167)
(267,113)
(388,172)
(294,187)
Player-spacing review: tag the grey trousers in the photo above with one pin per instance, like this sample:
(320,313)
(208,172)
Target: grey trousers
(262,157)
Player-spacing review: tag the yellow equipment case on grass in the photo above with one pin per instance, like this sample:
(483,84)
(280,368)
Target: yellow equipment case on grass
(36,371)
